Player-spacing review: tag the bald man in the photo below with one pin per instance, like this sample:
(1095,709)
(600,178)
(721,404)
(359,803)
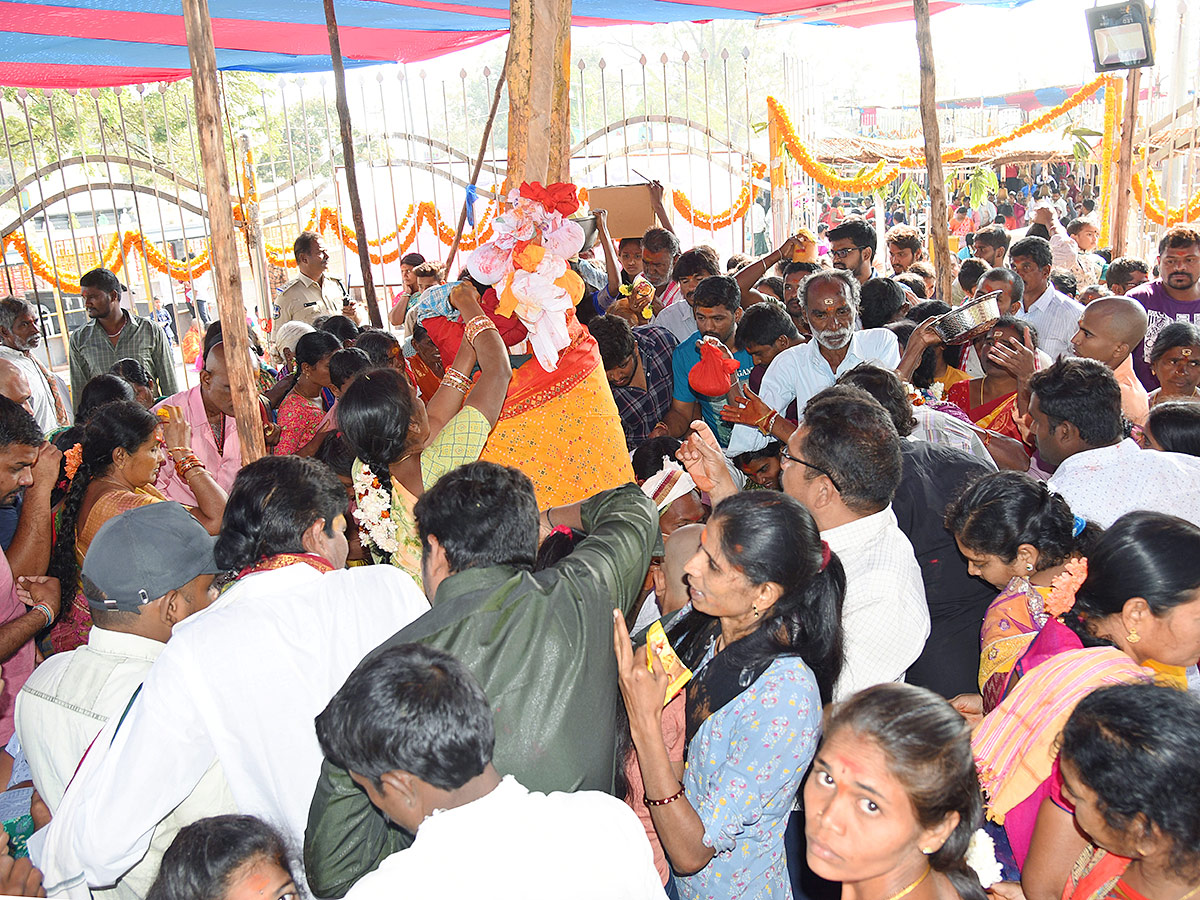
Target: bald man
(15,386)
(208,408)
(670,582)
(1109,329)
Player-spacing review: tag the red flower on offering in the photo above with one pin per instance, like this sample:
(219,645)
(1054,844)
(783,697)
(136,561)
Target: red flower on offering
(561,196)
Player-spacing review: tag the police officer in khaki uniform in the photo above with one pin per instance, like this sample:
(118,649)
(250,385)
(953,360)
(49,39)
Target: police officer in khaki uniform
(311,293)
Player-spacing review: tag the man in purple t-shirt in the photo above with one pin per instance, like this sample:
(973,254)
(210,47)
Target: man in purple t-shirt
(1173,297)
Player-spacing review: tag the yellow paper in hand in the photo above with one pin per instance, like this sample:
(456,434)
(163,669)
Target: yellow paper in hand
(805,248)
(656,641)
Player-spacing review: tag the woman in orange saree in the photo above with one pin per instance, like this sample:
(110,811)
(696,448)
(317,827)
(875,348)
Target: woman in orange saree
(560,428)
(113,471)
(1126,796)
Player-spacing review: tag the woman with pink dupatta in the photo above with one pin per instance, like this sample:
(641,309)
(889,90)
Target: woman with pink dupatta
(1129,613)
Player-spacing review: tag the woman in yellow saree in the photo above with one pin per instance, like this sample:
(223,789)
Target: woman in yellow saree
(402,446)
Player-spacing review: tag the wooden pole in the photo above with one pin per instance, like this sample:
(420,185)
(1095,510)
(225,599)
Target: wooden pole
(939,227)
(226,275)
(539,91)
(1124,187)
(343,111)
(255,242)
(487,133)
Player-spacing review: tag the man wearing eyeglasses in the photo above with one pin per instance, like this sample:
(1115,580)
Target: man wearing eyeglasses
(844,463)
(852,246)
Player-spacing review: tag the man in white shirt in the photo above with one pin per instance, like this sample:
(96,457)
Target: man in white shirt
(208,409)
(415,731)
(830,301)
(19,337)
(689,269)
(146,571)
(1076,415)
(241,682)
(1054,315)
(844,464)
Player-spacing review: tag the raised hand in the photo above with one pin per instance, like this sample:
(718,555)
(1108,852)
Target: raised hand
(749,409)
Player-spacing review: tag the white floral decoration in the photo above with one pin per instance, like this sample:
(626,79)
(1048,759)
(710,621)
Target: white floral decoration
(981,857)
(936,390)
(373,510)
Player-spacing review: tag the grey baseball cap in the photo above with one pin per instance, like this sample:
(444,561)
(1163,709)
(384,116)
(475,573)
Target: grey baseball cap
(144,553)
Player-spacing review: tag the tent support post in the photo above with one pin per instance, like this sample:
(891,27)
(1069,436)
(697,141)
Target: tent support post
(226,270)
(539,91)
(1120,225)
(343,112)
(939,230)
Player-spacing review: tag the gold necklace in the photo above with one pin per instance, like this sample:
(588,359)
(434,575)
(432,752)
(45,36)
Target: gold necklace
(916,884)
(1190,893)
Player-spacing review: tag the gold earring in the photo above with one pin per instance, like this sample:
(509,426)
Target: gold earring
(755,608)
(1133,637)
(927,850)
(1028,567)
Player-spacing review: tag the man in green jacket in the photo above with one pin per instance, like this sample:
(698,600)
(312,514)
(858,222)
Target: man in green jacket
(540,644)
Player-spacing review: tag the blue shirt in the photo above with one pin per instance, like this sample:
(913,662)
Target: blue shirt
(744,767)
(685,357)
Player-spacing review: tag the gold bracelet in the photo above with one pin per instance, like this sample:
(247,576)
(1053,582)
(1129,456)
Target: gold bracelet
(478,326)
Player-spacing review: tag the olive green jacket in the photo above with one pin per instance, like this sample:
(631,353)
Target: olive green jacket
(540,645)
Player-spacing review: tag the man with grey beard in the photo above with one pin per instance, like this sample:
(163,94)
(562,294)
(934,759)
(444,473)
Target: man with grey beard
(830,301)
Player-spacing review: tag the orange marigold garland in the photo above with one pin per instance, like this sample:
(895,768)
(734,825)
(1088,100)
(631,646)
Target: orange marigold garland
(882,173)
(713,221)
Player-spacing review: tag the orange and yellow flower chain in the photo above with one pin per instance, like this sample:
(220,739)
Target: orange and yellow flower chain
(714,221)
(883,173)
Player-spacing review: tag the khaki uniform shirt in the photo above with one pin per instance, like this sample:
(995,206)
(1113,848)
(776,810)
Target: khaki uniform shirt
(303,299)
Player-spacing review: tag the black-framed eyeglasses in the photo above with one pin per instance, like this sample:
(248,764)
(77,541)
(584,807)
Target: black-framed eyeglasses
(844,252)
(784,453)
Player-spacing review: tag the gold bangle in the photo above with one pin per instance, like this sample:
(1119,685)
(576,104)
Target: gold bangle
(477,326)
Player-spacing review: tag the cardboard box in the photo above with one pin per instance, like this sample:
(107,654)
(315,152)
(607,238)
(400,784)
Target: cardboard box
(630,213)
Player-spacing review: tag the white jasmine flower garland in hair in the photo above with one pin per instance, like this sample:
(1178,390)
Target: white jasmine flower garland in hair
(373,510)
(981,857)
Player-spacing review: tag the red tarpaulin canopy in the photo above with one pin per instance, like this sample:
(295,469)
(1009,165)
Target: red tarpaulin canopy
(97,43)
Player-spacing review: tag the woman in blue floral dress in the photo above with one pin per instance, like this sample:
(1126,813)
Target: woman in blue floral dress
(763,637)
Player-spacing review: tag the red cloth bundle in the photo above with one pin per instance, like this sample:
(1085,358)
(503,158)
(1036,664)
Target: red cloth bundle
(710,376)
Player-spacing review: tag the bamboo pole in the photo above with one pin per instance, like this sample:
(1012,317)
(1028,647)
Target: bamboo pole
(226,276)
(343,111)
(939,228)
(1125,163)
(483,142)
